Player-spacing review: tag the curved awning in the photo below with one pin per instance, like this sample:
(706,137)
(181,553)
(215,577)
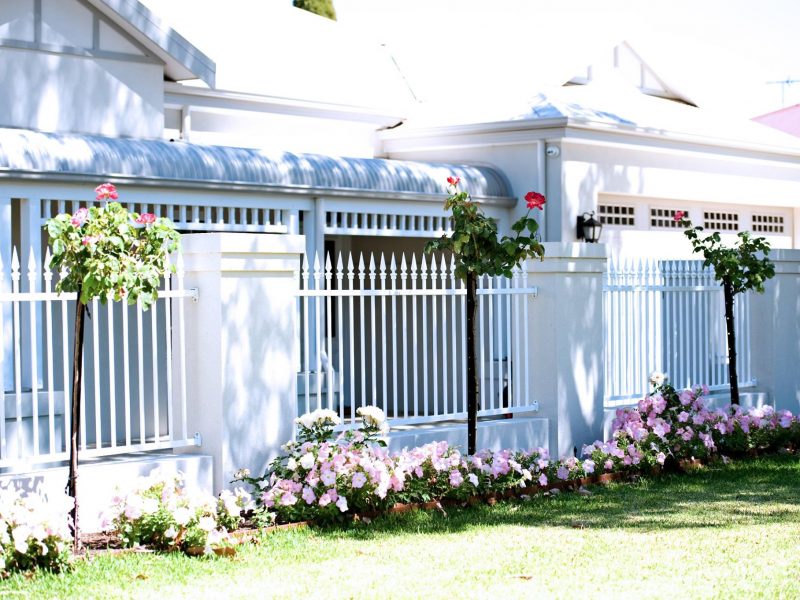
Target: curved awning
(60,155)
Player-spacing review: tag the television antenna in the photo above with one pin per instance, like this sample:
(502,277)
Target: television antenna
(784,83)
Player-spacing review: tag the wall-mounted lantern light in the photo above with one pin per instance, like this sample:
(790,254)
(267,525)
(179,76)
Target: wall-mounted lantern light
(589,228)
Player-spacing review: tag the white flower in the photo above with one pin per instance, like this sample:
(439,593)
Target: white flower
(307,461)
(473,479)
(373,417)
(171,532)
(207,523)
(182,515)
(319,417)
(657,378)
(341,503)
(241,474)
(20,535)
(291,464)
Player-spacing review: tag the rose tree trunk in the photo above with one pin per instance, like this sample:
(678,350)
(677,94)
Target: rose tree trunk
(75,416)
(729,326)
(472,370)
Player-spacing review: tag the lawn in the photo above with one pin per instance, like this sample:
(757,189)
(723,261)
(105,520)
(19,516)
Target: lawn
(724,532)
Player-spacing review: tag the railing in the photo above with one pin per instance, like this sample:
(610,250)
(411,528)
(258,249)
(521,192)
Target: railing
(668,316)
(393,335)
(134,386)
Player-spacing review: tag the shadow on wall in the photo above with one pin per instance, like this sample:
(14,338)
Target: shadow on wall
(52,92)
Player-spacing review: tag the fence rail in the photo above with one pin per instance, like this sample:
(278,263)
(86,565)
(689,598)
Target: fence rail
(393,334)
(134,386)
(669,316)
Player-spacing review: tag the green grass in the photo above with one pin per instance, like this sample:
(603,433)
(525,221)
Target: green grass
(725,532)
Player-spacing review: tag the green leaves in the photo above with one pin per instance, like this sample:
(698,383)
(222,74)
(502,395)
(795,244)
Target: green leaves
(744,266)
(107,254)
(475,244)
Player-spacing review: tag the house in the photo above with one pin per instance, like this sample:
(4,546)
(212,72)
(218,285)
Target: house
(104,90)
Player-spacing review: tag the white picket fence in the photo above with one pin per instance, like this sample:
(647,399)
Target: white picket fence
(134,385)
(391,333)
(668,316)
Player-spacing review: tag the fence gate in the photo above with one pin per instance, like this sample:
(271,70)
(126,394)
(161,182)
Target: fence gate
(669,316)
(390,332)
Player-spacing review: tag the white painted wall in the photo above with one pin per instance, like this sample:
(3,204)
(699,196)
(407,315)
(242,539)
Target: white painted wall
(274,132)
(692,181)
(59,92)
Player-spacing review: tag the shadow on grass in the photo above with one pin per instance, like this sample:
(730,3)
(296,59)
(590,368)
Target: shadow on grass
(751,492)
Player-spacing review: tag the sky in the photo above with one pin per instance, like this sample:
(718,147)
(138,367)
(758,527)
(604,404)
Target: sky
(721,53)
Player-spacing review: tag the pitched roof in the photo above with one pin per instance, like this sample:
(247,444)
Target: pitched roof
(182,59)
(25,153)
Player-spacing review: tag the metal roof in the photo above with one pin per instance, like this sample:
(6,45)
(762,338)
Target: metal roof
(59,155)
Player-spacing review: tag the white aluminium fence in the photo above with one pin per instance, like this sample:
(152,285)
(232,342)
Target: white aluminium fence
(668,316)
(134,386)
(393,335)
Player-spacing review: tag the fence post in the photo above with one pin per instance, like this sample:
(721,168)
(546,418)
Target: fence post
(240,345)
(775,332)
(566,351)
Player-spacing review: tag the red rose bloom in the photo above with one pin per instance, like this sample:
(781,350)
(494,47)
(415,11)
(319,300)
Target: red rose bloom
(535,200)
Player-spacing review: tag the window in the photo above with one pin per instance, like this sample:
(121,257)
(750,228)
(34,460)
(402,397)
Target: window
(663,217)
(721,221)
(616,214)
(768,224)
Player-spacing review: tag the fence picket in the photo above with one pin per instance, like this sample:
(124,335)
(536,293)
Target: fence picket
(674,325)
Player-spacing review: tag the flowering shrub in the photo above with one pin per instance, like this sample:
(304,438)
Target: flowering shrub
(34,530)
(669,425)
(158,511)
(108,251)
(323,477)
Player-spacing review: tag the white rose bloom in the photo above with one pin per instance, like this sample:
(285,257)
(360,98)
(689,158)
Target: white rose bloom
(291,464)
(307,461)
(657,378)
(373,417)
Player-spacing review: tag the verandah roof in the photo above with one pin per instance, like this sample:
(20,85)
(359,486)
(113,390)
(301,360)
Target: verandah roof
(58,155)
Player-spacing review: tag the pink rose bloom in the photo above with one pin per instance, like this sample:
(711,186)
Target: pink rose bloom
(679,214)
(106,191)
(80,216)
(146,218)
(686,398)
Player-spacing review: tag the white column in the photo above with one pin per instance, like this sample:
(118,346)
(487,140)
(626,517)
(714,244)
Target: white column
(566,359)
(240,338)
(5,285)
(775,332)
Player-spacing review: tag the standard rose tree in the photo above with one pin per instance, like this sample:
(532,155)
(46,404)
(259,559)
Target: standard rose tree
(743,267)
(105,252)
(478,251)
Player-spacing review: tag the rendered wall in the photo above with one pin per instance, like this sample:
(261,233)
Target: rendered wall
(59,92)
